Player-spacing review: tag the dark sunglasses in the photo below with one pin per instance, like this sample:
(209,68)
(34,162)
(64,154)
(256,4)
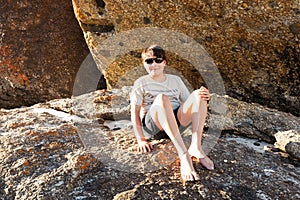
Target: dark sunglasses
(157,60)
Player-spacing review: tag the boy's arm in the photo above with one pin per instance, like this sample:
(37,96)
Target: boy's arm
(137,124)
(144,146)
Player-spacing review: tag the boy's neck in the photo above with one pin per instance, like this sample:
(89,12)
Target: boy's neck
(161,78)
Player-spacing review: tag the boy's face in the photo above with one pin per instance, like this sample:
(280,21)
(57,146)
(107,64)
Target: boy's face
(153,65)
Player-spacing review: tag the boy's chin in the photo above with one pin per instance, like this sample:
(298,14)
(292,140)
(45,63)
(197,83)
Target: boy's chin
(152,75)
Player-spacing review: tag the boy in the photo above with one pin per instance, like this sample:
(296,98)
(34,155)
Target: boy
(161,105)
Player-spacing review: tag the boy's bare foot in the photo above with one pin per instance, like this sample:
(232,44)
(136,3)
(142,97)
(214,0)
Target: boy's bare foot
(202,158)
(187,170)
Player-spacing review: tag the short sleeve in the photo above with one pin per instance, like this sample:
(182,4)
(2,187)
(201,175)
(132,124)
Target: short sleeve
(184,92)
(136,95)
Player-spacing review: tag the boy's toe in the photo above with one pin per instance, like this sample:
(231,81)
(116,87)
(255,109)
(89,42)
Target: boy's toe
(191,177)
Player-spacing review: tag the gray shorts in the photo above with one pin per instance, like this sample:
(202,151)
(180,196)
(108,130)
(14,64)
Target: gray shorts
(154,132)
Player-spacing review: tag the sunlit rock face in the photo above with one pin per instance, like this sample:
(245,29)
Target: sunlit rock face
(41,49)
(254,45)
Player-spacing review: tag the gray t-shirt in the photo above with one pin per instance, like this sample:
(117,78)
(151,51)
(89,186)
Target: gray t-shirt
(145,90)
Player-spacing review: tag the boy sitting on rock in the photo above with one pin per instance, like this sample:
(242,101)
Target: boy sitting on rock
(161,106)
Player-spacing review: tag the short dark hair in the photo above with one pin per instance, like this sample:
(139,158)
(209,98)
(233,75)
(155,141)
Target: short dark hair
(157,51)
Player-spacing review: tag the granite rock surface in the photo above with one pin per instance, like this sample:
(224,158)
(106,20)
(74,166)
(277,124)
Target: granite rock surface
(41,50)
(254,45)
(54,150)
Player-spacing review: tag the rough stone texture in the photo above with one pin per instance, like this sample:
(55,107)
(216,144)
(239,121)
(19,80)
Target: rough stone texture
(226,113)
(250,119)
(255,45)
(289,141)
(45,155)
(41,49)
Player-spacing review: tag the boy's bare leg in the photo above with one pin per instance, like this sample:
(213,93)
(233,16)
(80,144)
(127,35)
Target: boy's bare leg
(197,110)
(195,148)
(162,113)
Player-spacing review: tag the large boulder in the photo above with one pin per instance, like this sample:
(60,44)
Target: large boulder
(47,152)
(254,45)
(41,49)
(250,119)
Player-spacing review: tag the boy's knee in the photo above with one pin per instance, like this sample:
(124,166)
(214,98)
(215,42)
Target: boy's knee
(197,98)
(196,92)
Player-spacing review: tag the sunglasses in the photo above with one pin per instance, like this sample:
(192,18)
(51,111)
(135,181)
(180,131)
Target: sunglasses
(150,60)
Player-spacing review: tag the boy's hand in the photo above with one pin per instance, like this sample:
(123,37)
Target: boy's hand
(144,147)
(204,93)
